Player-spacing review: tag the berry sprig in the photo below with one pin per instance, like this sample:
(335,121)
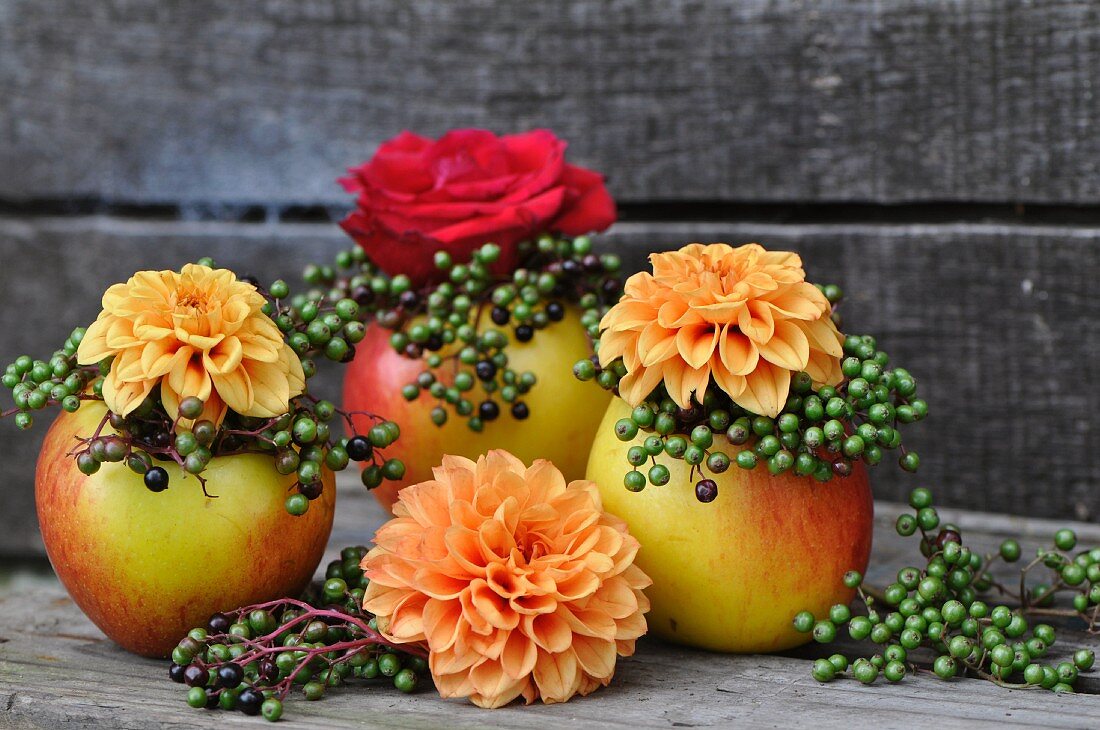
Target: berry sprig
(301,441)
(251,659)
(461,327)
(821,432)
(940,608)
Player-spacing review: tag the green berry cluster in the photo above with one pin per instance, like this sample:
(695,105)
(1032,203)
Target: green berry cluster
(822,431)
(302,441)
(940,607)
(462,324)
(251,659)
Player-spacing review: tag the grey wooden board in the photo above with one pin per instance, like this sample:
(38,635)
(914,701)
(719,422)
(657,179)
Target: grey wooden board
(57,670)
(267,101)
(998,323)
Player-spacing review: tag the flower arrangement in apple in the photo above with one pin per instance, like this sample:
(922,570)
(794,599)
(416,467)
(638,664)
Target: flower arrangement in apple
(728,356)
(186,422)
(199,363)
(476,274)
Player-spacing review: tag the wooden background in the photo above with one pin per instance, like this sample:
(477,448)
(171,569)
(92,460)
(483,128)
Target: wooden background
(937,159)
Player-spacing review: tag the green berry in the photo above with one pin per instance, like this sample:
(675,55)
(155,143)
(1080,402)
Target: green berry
(271,709)
(945,666)
(823,670)
(804,622)
(1065,539)
(824,632)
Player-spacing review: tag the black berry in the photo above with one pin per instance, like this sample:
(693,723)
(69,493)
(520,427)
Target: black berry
(359,448)
(156,479)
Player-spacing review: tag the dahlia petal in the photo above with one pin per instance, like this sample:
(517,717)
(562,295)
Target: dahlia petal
(519,655)
(595,656)
(799,301)
(124,398)
(788,348)
(556,676)
(738,353)
(442,623)
(756,321)
(824,336)
(550,631)
(406,623)
(491,607)
(225,357)
(637,384)
(235,388)
(93,348)
(696,343)
(766,390)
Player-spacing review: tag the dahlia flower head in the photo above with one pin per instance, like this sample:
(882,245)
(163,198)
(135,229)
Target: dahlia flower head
(519,584)
(198,332)
(744,318)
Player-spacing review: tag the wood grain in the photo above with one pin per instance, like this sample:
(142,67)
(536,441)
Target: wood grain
(997,322)
(267,101)
(57,670)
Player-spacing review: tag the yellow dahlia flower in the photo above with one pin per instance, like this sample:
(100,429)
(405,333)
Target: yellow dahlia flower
(744,316)
(199,332)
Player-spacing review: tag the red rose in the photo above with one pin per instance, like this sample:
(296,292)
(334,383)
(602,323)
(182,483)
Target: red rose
(470,187)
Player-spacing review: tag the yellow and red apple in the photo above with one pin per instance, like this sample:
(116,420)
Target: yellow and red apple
(730,575)
(145,567)
(564,412)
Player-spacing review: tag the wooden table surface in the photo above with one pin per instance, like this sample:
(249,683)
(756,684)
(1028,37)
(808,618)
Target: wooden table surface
(58,670)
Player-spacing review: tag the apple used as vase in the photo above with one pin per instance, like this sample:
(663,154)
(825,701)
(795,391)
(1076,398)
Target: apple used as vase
(145,567)
(564,413)
(729,575)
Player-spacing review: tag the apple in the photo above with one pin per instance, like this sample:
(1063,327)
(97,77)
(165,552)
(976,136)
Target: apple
(146,567)
(564,412)
(731,575)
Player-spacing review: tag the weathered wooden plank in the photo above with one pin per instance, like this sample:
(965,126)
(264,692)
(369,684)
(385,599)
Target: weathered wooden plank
(269,100)
(55,669)
(996,321)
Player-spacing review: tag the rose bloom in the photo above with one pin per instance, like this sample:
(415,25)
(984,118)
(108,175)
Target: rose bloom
(519,584)
(199,332)
(417,196)
(744,316)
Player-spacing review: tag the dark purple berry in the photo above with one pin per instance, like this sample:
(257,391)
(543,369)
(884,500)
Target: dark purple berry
(569,266)
(359,448)
(230,675)
(525,332)
(520,411)
(156,479)
(195,676)
(175,673)
(555,311)
(435,342)
(488,410)
(485,370)
(706,490)
(269,670)
(500,315)
(947,536)
(219,623)
(311,490)
(409,299)
(362,295)
(250,701)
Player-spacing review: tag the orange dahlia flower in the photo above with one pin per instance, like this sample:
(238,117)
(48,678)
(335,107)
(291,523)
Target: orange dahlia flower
(744,316)
(519,584)
(199,332)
